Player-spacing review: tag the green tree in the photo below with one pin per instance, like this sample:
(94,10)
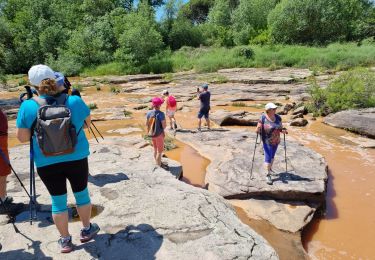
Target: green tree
(139,40)
(184,33)
(250,19)
(196,10)
(314,21)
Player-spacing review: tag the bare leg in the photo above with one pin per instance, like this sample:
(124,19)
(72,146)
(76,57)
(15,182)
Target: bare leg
(85,214)
(61,222)
(208,123)
(199,123)
(158,158)
(170,122)
(3,186)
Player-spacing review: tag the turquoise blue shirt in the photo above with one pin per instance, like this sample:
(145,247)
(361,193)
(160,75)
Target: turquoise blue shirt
(27,115)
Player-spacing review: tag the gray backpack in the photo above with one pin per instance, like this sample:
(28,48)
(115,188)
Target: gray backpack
(54,131)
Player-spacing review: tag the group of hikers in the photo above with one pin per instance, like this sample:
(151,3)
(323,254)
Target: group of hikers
(52,122)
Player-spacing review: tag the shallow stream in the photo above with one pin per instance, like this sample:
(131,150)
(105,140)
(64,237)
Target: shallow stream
(346,231)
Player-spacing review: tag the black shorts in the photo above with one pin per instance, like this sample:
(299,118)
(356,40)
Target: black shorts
(203,113)
(54,176)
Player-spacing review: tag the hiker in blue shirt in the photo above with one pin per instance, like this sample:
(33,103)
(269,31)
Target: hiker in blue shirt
(204,96)
(55,170)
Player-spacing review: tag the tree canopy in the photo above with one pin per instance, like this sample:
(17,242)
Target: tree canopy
(71,35)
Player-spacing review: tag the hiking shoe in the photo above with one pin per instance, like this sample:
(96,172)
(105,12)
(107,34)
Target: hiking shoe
(175,125)
(269,180)
(66,245)
(199,129)
(87,235)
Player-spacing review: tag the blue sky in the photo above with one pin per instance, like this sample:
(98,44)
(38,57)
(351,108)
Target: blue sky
(160,11)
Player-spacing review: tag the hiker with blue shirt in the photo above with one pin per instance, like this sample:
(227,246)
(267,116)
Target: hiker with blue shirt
(55,169)
(269,127)
(204,96)
(156,123)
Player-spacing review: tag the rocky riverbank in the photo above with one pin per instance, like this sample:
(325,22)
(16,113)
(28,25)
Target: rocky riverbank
(146,213)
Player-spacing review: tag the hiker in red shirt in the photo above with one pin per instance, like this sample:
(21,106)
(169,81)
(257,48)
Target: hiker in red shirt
(4,167)
(171,109)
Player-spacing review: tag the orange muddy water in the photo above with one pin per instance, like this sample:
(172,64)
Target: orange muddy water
(348,227)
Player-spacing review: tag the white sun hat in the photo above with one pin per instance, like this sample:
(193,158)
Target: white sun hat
(269,106)
(40,72)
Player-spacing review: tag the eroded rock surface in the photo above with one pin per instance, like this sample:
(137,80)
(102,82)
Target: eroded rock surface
(229,173)
(147,214)
(361,121)
(287,216)
(242,118)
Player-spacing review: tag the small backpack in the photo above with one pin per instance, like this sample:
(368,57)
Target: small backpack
(53,127)
(152,123)
(172,101)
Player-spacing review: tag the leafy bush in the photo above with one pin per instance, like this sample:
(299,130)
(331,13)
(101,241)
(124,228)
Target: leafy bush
(78,87)
(92,106)
(238,104)
(127,113)
(353,89)
(22,82)
(114,89)
(244,51)
(314,21)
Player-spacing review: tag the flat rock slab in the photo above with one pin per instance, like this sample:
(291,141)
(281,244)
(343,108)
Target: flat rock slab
(241,118)
(361,121)
(256,76)
(145,214)
(229,173)
(287,216)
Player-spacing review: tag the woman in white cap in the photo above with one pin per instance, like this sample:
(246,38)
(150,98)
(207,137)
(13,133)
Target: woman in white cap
(54,170)
(269,127)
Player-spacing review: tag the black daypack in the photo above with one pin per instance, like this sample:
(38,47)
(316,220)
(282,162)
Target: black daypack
(54,131)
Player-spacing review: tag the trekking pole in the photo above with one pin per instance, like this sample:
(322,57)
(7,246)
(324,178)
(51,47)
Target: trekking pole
(14,172)
(32,184)
(286,163)
(252,162)
(97,130)
(11,218)
(88,129)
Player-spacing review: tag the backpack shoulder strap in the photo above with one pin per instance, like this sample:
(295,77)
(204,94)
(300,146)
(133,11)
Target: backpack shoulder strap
(61,99)
(40,101)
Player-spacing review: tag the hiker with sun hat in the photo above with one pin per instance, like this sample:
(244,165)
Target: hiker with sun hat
(269,127)
(156,123)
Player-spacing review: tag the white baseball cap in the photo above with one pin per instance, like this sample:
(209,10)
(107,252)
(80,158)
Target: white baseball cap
(270,106)
(40,72)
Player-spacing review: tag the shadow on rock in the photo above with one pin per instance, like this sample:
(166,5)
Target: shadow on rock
(22,254)
(103,179)
(285,177)
(133,242)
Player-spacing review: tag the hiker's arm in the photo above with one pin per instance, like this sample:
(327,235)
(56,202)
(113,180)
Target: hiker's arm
(23,134)
(147,125)
(164,124)
(87,122)
(259,127)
